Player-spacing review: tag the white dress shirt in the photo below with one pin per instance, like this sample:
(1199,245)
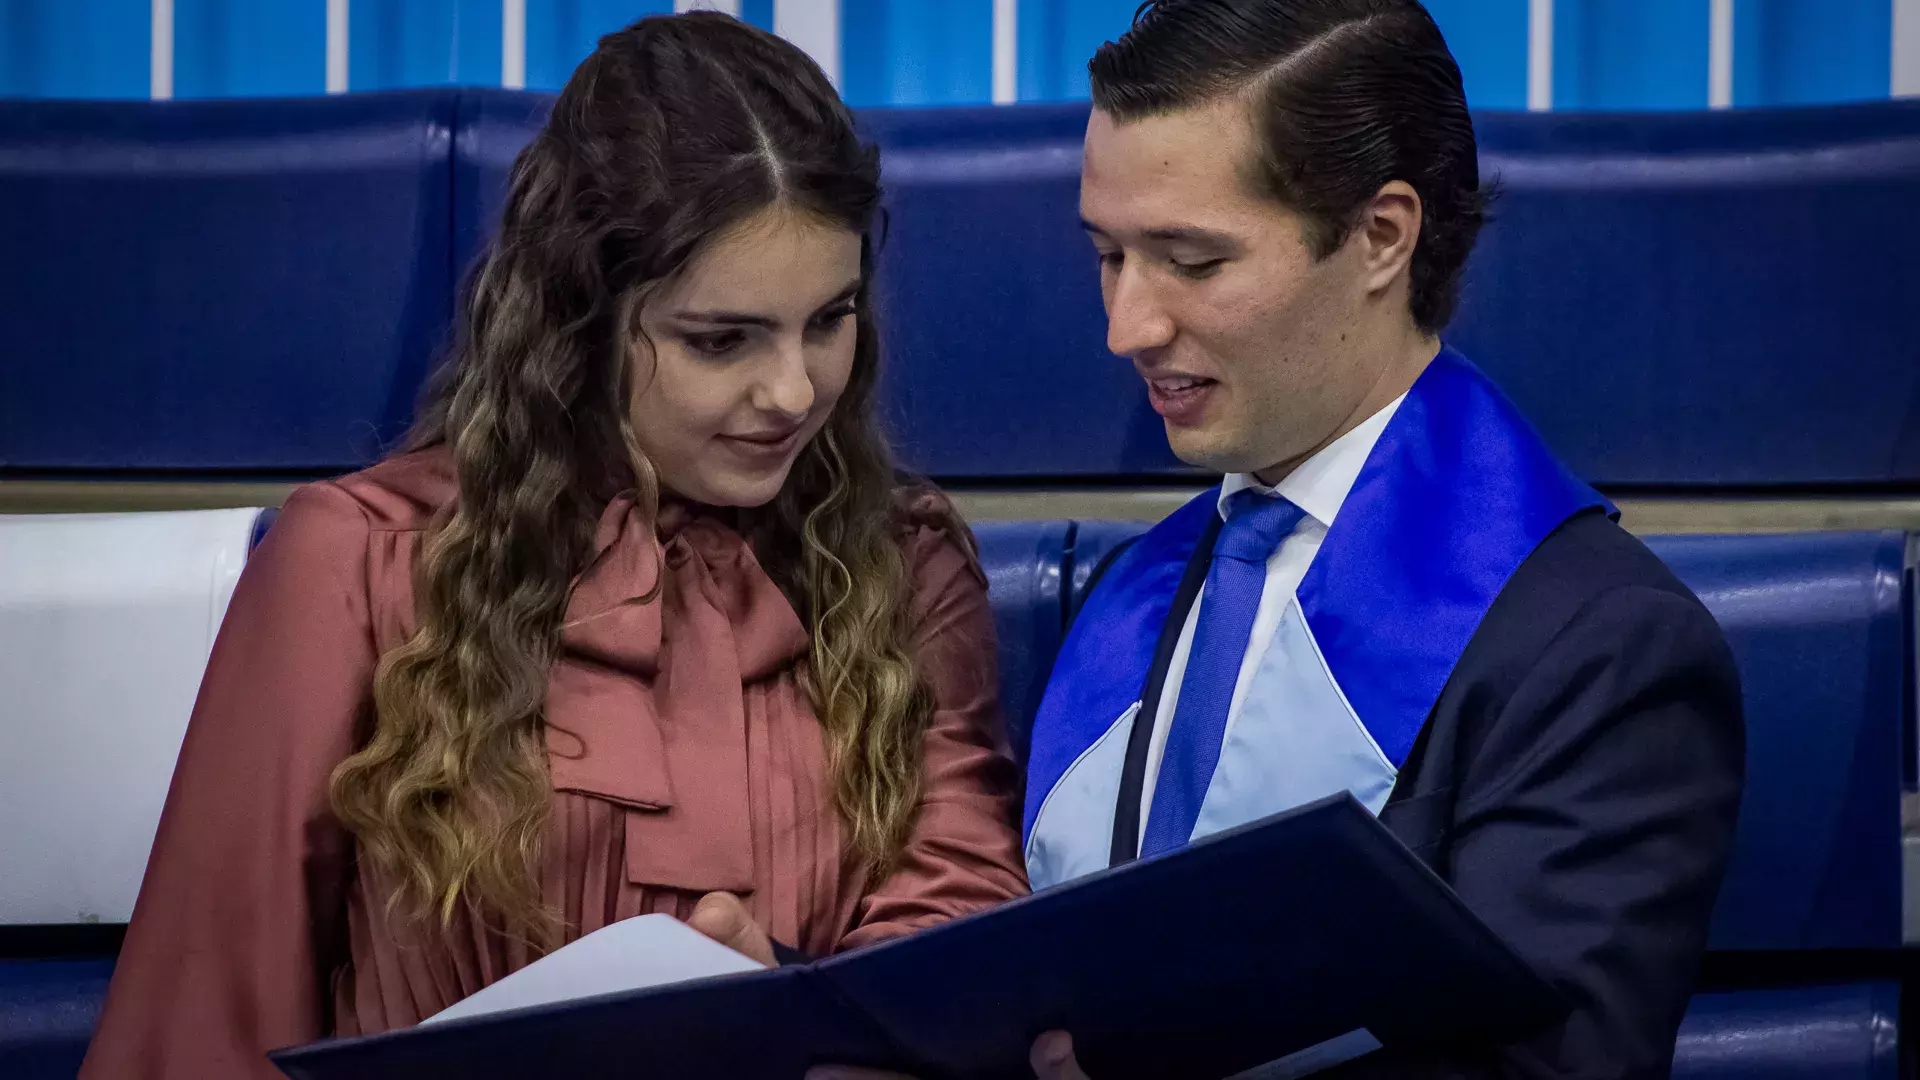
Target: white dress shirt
(1319,487)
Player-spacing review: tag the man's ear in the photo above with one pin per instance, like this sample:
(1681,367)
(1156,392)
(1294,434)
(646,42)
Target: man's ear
(1388,230)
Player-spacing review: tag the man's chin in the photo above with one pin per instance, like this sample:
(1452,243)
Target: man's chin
(1212,451)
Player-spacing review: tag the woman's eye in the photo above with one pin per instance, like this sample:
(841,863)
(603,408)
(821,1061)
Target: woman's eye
(715,344)
(1109,259)
(828,321)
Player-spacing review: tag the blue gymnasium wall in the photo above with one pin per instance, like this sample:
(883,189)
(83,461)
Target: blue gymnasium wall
(1606,54)
(400,43)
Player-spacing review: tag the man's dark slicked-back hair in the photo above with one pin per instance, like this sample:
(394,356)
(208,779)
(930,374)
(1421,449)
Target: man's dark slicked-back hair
(1347,96)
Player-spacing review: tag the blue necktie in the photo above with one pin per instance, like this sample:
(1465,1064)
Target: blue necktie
(1255,526)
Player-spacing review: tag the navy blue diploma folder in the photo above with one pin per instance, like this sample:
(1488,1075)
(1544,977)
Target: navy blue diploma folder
(1242,948)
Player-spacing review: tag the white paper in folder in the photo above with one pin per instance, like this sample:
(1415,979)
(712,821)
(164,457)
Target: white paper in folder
(633,954)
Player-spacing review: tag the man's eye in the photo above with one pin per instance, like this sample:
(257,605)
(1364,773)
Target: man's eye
(1196,269)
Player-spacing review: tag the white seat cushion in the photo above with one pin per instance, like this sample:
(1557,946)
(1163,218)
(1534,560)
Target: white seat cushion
(106,622)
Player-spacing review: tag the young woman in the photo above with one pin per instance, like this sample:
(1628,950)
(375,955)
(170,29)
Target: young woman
(641,619)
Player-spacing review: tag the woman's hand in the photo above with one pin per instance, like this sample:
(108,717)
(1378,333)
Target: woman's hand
(722,917)
(1052,1059)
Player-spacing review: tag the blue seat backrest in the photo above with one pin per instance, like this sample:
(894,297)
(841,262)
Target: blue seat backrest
(1023,562)
(1820,626)
(1035,570)
(491,127)
(996,352)
(1707,298)
(220,285)
(260,286)
(1816,1032)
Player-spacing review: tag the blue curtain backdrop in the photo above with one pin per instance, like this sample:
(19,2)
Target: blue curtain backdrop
(1607,54)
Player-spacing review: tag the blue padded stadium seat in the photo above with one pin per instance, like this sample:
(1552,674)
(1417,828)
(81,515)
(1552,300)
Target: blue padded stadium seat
(48,1009)
(268,515)
(1023,562)
(989,298)
(491,127)
(220,286)
(1706,298)
(1034,570)
(1096,543)
(1818,625)
(294,261)
(1843,1032)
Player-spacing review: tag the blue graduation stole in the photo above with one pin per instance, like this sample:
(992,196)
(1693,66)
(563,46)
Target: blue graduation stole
(1455,495)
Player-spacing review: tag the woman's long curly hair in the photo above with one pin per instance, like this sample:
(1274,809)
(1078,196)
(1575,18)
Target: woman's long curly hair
(676,128)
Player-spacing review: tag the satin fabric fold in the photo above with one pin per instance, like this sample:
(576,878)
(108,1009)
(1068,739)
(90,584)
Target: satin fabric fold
(659,697)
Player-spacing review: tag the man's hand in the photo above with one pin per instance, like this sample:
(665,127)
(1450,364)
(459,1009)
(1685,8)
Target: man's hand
(1051,1057)
(722,917)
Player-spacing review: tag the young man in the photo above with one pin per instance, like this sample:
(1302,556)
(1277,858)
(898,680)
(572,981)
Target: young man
(1397,591)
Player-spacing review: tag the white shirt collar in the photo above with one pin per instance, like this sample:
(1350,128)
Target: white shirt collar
(1321,483)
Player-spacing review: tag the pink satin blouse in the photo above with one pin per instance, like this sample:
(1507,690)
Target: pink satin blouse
(685,758)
